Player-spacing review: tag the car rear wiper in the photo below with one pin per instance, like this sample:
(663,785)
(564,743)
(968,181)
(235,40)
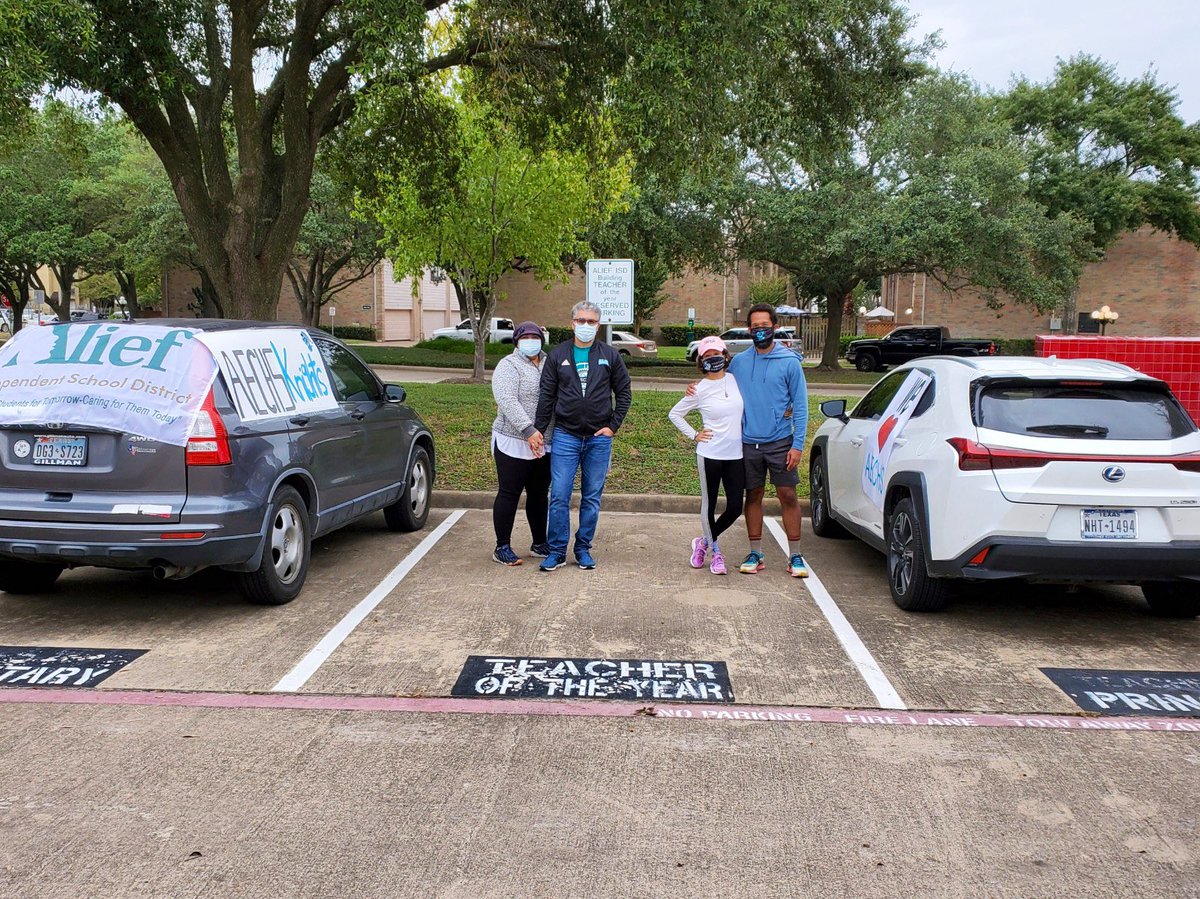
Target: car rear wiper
(1071,430)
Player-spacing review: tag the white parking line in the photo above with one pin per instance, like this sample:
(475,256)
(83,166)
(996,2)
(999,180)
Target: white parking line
(298,676)
(868,668)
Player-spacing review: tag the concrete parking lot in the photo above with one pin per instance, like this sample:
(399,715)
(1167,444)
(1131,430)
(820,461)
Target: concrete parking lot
(314,749)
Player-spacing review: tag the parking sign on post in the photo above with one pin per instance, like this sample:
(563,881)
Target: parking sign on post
(610,286)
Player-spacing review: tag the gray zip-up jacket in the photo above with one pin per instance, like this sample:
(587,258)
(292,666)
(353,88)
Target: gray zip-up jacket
(515,386)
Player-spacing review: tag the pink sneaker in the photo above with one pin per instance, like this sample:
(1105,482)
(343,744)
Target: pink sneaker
(718,563)
(699,551)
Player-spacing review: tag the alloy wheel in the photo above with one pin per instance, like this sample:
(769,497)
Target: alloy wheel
(900,553)
(287,544)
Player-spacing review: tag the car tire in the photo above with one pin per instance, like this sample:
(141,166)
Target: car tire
(865,362)
(281,573)
(20,577)
(410,512)
(624,352)
(908,574)
(1169,600)
(821,515)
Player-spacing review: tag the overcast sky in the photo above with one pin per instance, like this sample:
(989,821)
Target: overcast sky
(992,40)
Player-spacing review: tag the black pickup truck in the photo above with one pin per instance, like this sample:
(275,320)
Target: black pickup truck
(912,343)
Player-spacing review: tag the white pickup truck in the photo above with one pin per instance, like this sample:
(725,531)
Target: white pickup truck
(500,331)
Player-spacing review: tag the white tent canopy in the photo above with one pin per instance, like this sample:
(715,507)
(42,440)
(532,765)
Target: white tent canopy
(880,312)
(788,310)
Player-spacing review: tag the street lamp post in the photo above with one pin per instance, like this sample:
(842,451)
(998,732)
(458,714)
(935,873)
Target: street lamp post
(121,307)
(1105,316)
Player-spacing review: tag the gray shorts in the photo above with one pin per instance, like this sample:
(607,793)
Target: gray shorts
(760,458)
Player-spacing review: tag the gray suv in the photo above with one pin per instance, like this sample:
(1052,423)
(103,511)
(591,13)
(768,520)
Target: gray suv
(245,497)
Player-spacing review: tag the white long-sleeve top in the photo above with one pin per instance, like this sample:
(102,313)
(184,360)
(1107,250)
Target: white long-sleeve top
(720,405)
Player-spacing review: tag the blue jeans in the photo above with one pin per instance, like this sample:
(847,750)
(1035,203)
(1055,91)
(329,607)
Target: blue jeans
(589,455)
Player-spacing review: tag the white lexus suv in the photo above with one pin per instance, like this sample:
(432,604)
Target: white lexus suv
(1066,471)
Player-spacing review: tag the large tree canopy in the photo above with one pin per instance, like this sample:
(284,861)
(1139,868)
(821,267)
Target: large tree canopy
(933,183)
(1113,153)
(235,97)
(501,206)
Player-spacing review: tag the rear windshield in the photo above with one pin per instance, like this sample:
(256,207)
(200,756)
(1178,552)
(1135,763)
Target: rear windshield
(1082,409)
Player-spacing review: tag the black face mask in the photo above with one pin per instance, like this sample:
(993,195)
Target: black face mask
(713,364)
(762,337)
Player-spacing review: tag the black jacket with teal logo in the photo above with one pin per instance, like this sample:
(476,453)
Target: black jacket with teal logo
(609,394)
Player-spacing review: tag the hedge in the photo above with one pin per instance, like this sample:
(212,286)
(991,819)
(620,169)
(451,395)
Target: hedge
(558,335)
(465,347)
(646,332)
(677,335)
(1014,346)
(351,332)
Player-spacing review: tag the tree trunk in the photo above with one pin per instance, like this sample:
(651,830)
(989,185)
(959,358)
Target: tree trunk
(479,305)
(65,273)
(128,284)
(834,310)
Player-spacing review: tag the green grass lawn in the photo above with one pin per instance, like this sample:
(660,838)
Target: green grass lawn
(649,454)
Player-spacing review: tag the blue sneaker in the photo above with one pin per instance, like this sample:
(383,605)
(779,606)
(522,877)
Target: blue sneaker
(796,566)
(552,561)
(505,555)
(541,550)
(585,560)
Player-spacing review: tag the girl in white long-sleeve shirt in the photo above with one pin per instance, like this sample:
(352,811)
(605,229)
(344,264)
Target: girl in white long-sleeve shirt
(718,448)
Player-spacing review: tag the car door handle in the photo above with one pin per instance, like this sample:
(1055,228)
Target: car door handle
(900,441)
(300,420)
(358,414)
(856,441)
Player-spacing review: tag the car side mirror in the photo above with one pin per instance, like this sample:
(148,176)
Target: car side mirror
(394,393)
(835,409)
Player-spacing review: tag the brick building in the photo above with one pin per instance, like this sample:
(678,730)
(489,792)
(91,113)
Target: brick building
(1151,279)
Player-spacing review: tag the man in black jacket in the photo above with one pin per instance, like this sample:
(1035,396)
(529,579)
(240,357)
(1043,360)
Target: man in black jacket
(585,388)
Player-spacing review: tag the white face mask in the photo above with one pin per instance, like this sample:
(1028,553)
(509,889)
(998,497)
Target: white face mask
(585,333)
(529,346)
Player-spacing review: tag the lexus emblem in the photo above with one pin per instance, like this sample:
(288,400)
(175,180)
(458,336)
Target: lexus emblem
(1114,473)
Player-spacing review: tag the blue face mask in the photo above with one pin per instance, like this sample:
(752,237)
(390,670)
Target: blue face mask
(585,333)
(529,346)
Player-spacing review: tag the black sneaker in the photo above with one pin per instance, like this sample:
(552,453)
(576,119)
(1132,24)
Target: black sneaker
(541,550)
(505,556)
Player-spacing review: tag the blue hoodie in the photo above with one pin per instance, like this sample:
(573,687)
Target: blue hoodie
(770,383)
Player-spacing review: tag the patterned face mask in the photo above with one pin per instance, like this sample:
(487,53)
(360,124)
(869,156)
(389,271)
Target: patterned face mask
(762,337)
(713,363)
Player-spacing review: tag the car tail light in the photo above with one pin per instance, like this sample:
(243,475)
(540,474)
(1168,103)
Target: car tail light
(182,535)
(208,443)
(992,348)
(974,456)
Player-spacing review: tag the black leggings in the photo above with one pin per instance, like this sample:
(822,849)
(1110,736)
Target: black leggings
(713,473)
(514,476)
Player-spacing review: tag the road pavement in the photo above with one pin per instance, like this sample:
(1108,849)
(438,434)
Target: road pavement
(316,749)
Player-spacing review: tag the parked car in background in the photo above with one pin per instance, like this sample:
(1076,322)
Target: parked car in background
(629,344)
(84,315)
(33,317)
(6,321)
(738,339)
(500,330)
(1016,468)
(905,344)
(186,444)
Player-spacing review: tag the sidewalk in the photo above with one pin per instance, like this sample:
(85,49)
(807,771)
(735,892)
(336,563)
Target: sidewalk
(433,375)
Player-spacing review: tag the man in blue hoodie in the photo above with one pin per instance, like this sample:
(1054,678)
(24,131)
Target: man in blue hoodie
(774,427)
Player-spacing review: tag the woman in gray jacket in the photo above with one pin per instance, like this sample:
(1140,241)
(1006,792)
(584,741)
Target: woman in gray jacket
(521,452)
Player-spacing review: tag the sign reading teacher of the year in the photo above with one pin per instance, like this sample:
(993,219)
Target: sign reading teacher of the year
(517,677)
(610,286)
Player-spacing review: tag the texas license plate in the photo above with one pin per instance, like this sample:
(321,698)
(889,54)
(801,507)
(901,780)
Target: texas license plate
(1109,524)
(59,449)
